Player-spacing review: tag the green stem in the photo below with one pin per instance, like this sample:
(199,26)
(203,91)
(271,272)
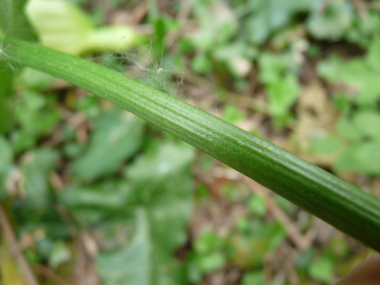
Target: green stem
(335,201)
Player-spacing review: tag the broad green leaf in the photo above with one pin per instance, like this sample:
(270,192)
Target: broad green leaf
(31,219)
(208,253)
(282,87)
(157,193)
(342,103)
(36,117)
(331,23)
(326,145)
(368,123)
(90,106)
(236,56)
(347,129)
(373,55)
(305,259)
(34,79)
(129,264)
(364,30)
(36,167)
(232,114)
(274,67)
(211,262)
(282,94)
(201,64)
(322,270)
(207,242)
(141,262)
(339,246)
(358,74)
(64,26)
(364,158)
(95,203)
(257,205)
(268,16)
(330,68)
(59,254)
(253,278)
(116,137)
(161,181)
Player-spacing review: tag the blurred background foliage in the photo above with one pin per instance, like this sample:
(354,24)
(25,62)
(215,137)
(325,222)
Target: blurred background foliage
(97,196)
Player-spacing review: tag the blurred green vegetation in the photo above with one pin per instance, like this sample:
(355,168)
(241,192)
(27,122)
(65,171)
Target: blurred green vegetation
(80,177)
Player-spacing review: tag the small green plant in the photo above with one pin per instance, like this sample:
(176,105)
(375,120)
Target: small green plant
(357,139)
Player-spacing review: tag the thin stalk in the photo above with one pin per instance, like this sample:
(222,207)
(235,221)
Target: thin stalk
(322,194)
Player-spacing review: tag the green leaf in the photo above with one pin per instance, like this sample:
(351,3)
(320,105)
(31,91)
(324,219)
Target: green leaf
(268,16)
(95,203)
(90,106)
(211,262)
(339,246)
(232,114)
(59,254)
(31,219)
(65,27)
(274,67)
(368,123)
(257,205)
(322,270)
(35,79)
(278,72)
(365,29)
(253,278)
(342,103)
(162,183)
(282,94)
(330,68)
(305,259)
(36,167)
(373,55)
(326,145)
(208,242)
(201,64)
(116,137)
(130,263)
(347,129)
(36,118)
(358,74)
(364,158)
(157,193)
(141,262)
(333,22)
